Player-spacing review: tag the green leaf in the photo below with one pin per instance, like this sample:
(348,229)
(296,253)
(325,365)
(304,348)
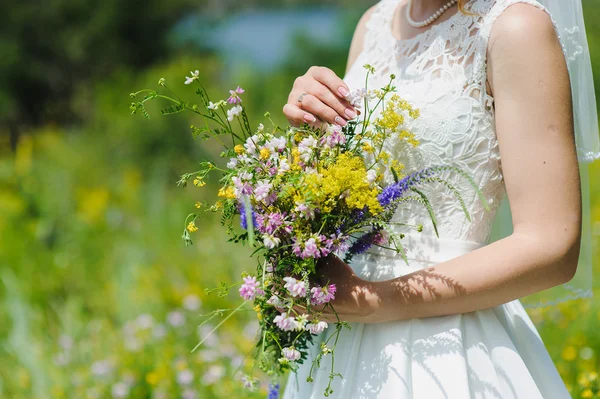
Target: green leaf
(427,205)
(172,109)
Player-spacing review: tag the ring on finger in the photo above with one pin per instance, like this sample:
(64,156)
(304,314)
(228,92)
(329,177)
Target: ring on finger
(301,97)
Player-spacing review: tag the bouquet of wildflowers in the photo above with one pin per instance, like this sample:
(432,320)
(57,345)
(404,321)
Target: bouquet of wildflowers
(297,195)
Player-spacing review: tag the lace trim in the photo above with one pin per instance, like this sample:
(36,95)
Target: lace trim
(588,157)
(574,294)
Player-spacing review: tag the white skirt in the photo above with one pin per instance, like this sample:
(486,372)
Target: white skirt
(492,353)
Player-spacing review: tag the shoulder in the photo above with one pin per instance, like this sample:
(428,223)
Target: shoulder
(358,39)
(522,25)
(362,26)
(524,46)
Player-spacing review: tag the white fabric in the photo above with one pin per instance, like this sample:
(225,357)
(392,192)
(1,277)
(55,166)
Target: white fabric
(495,353)
(568,17)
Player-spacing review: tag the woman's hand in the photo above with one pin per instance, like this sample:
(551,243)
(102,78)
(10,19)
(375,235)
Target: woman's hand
(319,96)
(353,297)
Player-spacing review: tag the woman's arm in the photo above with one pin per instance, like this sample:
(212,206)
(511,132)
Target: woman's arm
(530,83)
(358,40)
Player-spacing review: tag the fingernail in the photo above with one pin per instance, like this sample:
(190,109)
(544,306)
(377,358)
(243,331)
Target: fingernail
(350,112)
(309,118)
(343,91)
(340,121)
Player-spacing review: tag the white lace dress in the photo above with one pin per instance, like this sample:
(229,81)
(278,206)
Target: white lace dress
(493,353)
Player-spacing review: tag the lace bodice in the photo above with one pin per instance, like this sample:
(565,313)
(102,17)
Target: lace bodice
(443,72)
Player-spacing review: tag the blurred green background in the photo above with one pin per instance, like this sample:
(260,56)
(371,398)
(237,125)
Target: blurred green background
(98,296)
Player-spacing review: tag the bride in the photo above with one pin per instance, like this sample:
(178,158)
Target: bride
(492,84)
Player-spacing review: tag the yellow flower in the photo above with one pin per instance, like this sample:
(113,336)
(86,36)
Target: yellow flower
(226,192)
(398,167)
(409,138)
(198,182)
(384,157)
(295,159)
(345,179)
(265,153)
(239,149)
(218,205)
(583,380)
(258,313)
(368,148)
(181,365)
(587,393)
(569,353)
(191,227)
(593,376)
(198,205)
(152,378)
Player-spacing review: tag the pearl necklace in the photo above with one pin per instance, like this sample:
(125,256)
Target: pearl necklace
(429,20)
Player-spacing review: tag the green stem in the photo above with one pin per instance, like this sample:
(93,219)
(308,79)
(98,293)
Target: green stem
(219,325)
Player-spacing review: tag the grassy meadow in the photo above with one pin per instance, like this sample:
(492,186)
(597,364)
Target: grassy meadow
(99,298)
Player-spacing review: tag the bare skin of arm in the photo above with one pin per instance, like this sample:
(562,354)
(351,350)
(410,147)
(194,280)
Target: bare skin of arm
(528,77)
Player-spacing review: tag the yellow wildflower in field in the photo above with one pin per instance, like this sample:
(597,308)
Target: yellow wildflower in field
(265,153)
(191,227)
(198,205)
(239,149)
(569,353)
(587,393)
(198,182)
(152,378)
(226,192)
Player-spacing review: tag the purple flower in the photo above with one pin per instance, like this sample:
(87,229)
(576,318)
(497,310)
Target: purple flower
(268,224)
(249,289)
(234,97)
(305,211)
(316,328)
(322,295)
(285,323)
(295,287)
(336,137)
(297,247)
(185,377)
(275,301)
(337,242)
(273,391)
(290,354)
(396,190)
(262,189)
(366,241)
(243,219)
(311,250)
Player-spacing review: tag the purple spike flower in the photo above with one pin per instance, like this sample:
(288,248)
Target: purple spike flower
(366,241)
(243,220)
(397,190)
(273,391)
